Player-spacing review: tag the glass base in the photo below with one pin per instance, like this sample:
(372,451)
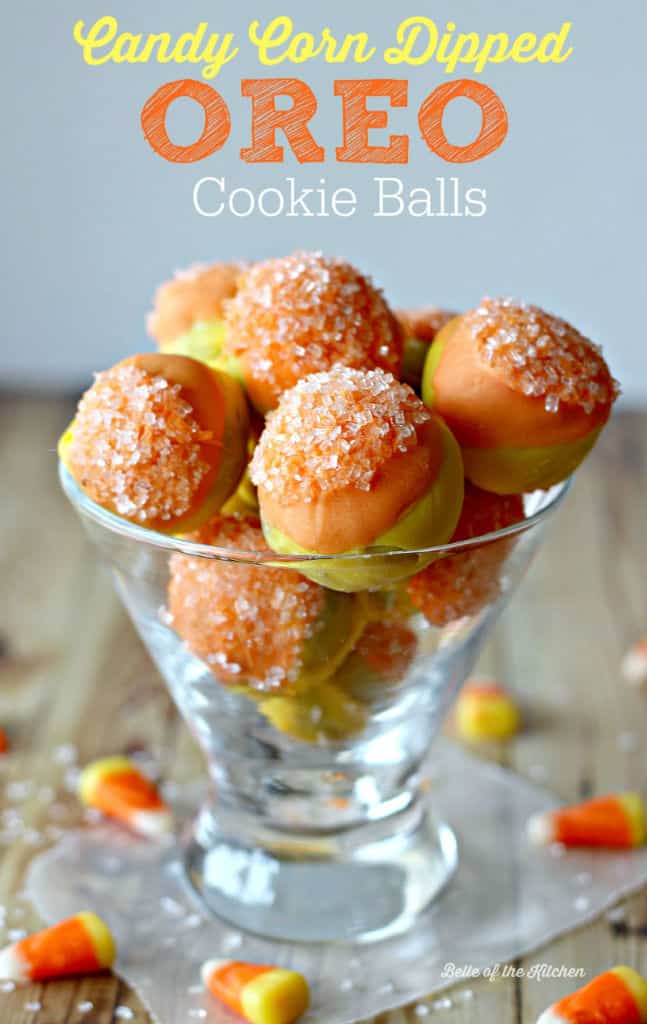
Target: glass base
(360,885)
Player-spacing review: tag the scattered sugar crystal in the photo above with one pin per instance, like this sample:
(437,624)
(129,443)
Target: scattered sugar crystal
(171,907)
(464,995)
(66,753)
(232,942)
(7,986)
(335,430)
(583,878)
(581,904)
(198,1013)
(444,1003)
(85,1006)
(421,1010)
(71,780)
(16,934)
(628,742)
(33,1007)
(195,990)
(18,790)
(346,985)
(123,1013)
(541,354)
(387,988)
(32,837)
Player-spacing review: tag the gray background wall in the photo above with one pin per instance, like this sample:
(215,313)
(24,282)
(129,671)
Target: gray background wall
(93,219)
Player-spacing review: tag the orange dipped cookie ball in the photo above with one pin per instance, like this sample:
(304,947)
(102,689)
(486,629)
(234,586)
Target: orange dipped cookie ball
(525,394)
(464,583)
(351,462)
(302,314)
(160,440)
(261,628)
(378,662)
(187,314)
(419,328)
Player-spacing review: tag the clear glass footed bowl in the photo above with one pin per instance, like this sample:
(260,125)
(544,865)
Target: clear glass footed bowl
(315,827)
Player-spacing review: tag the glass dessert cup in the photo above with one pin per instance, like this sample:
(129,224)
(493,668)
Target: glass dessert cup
(317,825)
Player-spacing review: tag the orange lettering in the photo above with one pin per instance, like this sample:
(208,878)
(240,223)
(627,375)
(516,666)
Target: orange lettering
(358,120)
(217,122)
(266,120)
(494,121)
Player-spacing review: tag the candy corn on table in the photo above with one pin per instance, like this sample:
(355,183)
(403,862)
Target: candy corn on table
(98,696)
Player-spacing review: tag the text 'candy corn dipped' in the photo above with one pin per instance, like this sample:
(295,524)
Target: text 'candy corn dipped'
(484,711)
(82,944)
(634,664)
(117,788)
(258,993)
(614,822)
(617,997)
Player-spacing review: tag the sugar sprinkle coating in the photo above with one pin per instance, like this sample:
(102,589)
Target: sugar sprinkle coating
(387,648)
(136,446)
(541,355)
(463,583)
(302,314)
(197,293)
(335,430)
(248,622)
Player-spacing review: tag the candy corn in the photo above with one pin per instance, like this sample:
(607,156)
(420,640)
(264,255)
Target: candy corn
(484,711)
(258,993)
(81,944)
(634,664)
(617,997)
(116,787)
(615,821)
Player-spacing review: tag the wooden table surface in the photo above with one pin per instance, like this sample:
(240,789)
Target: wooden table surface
(73,672)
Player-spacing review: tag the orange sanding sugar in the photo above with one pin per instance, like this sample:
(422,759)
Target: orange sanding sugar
(248,622)
(424,323)
(484,512)
(462,584)
(302,314)
(541,355)
(335,430)
(387,648)
(192,295)
(136,446)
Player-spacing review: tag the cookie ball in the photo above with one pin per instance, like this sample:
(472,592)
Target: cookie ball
(160,440)
(302,314)
(258,627)
(525,394)
(351,462)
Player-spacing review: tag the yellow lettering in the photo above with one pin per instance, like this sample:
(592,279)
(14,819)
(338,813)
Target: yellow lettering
(340,54)
(463,51)
(499,39)
(276,34)
(558,39)
(100,34)
(525,43)
(218,52)
(160,41)
(407,35)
